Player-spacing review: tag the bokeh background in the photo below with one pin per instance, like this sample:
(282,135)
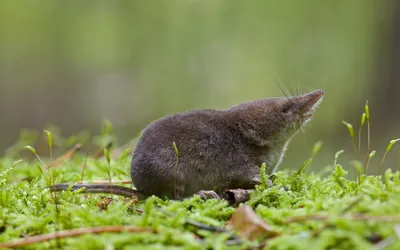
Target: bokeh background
(75,63)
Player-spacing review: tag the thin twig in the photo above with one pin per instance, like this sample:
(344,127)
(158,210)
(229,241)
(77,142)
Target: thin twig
(106,182)
(356,217)
(73,233)
(84,166)
(86,158)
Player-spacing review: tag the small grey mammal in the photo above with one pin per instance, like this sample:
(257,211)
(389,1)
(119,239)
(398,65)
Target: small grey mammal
(216,150)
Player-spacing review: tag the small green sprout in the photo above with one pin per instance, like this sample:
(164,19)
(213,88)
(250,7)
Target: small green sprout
(175,166)
(39,168)
(391,143)
(359,135)
(388,148)
(367,118)
(366,111)
(107,155)
(17,162)
(175,149)
(263,176)
(316,148)
(350,128)
(107,127)
(30,148)
(120,172)
(338,153)
(363,116)
(359,169)
(50,142)
(372,154)
(303,166)
(48,182)
(353,139)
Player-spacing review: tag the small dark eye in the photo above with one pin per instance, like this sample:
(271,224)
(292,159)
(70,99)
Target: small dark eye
(286,109)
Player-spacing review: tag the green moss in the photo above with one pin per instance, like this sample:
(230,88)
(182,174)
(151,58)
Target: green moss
(289,207)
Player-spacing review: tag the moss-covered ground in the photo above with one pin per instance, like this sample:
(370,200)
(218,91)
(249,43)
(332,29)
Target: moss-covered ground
(301,211)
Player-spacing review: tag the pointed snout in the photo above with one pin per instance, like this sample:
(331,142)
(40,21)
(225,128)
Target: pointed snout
(315,96)
(309,100)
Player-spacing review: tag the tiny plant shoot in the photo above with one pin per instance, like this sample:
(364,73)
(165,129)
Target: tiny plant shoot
(175,166)
(368,157)
(50,142)
(365,118)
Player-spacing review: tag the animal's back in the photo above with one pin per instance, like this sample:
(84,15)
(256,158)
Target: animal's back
(157,169)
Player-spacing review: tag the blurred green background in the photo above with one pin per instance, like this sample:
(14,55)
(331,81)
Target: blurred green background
(75,63)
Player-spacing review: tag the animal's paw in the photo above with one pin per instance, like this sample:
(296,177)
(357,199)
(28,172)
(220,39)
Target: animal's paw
(208,194)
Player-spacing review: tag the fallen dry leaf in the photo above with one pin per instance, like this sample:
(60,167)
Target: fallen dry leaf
(249,225)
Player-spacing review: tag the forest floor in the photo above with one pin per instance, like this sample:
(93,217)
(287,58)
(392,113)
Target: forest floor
(325,210)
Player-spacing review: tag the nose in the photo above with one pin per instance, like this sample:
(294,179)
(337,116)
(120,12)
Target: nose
(310,99)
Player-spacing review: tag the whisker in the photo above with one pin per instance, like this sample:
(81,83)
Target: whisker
(302,127)
(305,133)
(298,89)
(292,91)
(283,90)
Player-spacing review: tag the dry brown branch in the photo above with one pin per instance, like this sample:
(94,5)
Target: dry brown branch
(65,157)
(107,182)
(73,233)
